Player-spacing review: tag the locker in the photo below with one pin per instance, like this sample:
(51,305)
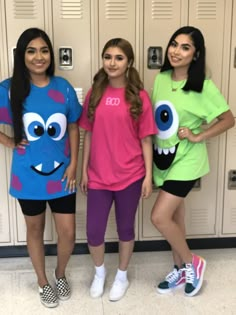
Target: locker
(161,19)
(21,15)
(5,227)
(229,210)
(72,29)
(232,76)
(79,29)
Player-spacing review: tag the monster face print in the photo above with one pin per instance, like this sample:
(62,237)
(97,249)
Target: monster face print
(166,141)
(38,169)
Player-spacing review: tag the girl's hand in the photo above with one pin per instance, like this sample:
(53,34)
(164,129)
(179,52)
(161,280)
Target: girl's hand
(22,144)
(146,188)
(70,176)
(186,133)
(84,184)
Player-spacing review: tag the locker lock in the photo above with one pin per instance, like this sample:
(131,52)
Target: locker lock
(154,57)
(65,58)
(232,179)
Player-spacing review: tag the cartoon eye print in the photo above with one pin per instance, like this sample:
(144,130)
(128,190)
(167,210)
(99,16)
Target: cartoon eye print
(166,119)
(34,126)
(56,126)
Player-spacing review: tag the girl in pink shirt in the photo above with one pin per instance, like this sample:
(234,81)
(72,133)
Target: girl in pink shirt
(117,158)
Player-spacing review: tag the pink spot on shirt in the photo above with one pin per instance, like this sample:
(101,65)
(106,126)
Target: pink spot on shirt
(16,183)
(20,151)
(67,147)
(5,116)
(54,186)
(56,96)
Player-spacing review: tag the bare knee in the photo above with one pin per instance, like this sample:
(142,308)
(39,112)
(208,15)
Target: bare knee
(158,219)
(67,234)
(35,230)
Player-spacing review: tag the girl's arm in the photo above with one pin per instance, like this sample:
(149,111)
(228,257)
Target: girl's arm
(6,141)
(85,161)
(147,155)
(9,142)
(70,173)
(223,123)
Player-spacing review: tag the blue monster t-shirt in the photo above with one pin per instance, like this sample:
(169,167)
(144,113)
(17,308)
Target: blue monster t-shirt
(38,169)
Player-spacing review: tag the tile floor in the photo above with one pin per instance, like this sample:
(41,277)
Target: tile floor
(18,289)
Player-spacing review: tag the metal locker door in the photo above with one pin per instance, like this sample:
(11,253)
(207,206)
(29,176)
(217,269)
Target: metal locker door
(21,15)
(201,215)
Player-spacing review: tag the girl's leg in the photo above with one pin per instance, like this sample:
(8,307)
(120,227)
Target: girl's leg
(167,216)
(65,227)
(179,220)
(34,234)
(126,203)
(163,213)
(98,208)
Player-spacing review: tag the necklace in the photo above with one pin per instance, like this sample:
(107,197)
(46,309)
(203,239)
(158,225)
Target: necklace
(177,85)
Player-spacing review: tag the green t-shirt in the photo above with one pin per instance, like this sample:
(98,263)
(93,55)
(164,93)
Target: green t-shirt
(175,159)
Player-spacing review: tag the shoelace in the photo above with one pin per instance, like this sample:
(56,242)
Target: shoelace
(189,273)
(172,276)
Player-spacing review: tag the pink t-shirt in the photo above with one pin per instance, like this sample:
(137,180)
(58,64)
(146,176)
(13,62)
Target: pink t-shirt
(116,158)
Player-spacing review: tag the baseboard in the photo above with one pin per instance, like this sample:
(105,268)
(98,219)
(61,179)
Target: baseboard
(112,247)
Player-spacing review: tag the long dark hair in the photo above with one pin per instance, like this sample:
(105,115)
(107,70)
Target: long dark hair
(20,81)
(133,85)
(196,71)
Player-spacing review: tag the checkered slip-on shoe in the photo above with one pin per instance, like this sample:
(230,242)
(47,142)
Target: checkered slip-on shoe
(62,288)
(48,296)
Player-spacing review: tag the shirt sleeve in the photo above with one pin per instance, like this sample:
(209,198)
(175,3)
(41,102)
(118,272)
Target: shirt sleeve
(75,108)
(5,109)
(84,121)
(147,125)
(214,103)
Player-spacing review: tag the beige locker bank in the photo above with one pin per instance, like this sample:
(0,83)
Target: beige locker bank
(79,30)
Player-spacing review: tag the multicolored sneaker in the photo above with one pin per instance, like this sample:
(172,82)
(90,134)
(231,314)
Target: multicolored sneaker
(175,279)
(48,296)
(194,275)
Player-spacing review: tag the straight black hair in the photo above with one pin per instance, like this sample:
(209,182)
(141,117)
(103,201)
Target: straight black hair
(20,81)
(196,71)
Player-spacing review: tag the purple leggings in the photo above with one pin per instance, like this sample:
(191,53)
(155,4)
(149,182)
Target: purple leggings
(99,204)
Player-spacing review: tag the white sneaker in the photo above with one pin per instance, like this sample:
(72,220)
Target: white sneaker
(118,290)
(97,286)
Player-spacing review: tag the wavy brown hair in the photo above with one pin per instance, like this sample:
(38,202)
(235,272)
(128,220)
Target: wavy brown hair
(133,85)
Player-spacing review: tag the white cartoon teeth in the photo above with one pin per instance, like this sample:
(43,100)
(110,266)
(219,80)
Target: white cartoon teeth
(56,164)
(165,151)
(39,167)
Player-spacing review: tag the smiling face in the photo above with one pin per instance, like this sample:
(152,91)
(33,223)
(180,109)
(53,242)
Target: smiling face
(115,64)
(37,57)
(181,52)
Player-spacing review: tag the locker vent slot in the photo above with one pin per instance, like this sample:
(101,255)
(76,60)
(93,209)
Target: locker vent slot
(81,143)
(116,10)
(206,10)
(199,218)
(233,216)
(72,9)
(25,9)
(162,10)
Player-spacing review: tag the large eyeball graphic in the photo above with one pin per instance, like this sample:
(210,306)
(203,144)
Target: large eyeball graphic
(34,126)
(166,118)
(56,126)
